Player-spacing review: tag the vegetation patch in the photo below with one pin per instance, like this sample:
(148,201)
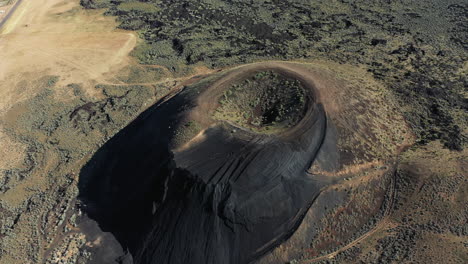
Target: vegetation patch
(418,50)
(137,7)
(185,132)
(141,74)
(265,102)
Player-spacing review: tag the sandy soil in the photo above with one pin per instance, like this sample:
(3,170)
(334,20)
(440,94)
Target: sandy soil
(56,37)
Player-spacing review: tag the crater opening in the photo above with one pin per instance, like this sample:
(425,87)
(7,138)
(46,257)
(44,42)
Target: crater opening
(265,102)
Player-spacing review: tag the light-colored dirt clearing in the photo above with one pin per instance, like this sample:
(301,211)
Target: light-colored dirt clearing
(60,38)
(57,37)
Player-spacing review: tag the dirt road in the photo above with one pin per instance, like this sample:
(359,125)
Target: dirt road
(10,12)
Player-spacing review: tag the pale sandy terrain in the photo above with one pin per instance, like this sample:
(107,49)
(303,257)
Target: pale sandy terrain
(56,37)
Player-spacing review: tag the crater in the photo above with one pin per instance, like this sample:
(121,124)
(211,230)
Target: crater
(226,170)
(215,174)
(264,102)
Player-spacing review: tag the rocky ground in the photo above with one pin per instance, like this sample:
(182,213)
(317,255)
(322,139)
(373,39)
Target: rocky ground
(418,49)
(428,223)
(413,54)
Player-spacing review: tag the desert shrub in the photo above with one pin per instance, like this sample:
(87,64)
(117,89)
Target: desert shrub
(95,3)
(265,102)
(397,47)
(135,6)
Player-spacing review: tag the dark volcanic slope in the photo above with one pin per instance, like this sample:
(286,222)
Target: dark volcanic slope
(228,196)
